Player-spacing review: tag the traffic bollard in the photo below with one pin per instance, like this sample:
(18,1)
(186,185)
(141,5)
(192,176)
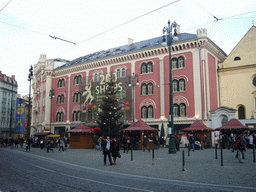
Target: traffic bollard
(132,153)
(253,153)
(183,161)
(216,155)
(188,150)
(153,156)
(221,157)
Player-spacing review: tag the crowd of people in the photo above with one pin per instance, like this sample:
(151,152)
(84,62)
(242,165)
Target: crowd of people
(44,143)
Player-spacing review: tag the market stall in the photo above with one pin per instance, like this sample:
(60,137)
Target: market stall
(81,137)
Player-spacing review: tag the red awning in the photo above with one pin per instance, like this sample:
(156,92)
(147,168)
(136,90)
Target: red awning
(198,126)
(140,126)
(81,128)
(233,124)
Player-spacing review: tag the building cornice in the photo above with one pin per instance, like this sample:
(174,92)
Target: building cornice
(252,66)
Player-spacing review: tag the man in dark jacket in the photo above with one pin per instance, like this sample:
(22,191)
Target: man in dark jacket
(106,144)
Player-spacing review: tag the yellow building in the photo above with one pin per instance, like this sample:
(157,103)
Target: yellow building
(237,78)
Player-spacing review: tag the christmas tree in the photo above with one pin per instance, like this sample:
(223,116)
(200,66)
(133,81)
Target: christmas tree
(111,112)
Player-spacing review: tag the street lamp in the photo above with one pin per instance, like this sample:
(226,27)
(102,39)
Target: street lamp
(30,77)
(51,95)
(168,40)
(132,84)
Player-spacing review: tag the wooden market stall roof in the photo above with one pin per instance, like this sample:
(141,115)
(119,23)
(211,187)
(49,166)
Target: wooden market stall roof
(233,124)
(198,126)
(140,126)
(81,128)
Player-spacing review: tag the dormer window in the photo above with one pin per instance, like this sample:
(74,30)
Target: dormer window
(237,58)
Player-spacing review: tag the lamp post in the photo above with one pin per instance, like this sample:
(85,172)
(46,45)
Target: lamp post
(51,95)
(132,84)
(170,39)
(30,77)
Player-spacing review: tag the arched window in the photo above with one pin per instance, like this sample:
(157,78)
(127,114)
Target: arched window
(150,111)
(118,73)
(181,85)
(95,77)
(121,93)
(237,58)
(61,83)
(79,95)
(59,99)
(60,117)
(143,89)
(62,99)
(175,110)
(75,98)
(77,116)
(123,72)
(183,110)
(149,67)
(143,68)
(144,112)
(77,80)
(181,63)
(99,76)
(241,112)
(150,89)
(175,85)
(174,63)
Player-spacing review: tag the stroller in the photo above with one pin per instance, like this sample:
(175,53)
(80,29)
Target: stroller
(198,145)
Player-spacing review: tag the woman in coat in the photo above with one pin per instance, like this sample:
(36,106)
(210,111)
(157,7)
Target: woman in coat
(115,150)
(240,147)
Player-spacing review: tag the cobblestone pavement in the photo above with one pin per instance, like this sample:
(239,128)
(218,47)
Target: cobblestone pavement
(202,168)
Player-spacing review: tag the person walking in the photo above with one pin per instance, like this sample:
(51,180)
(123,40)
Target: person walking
(205,141)
(240,147)
(99,141)
(128,144)
(49,146)
(145,143)
(21,142)
(124,142)
(61,144)
(42,143)
(115,150)
(29,142)
(107,151)
(191,140)
(137,140)
(177,142)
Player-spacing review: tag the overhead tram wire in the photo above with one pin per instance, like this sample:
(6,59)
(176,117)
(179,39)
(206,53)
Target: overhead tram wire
(128,21)
(223,19)
(6,5)
(33,31)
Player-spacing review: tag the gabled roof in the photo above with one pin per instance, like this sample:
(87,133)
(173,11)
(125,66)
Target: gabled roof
(233,124)
(140,126)
(198,126)
(125,49)
(81,128)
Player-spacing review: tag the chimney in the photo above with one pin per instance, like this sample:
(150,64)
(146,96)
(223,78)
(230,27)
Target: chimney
(130,41)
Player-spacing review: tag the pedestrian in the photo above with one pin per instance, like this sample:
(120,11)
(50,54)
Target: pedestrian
(1,142)
(250,144)
(49,146)
(16,143)
(11,141)
(128,144)
(99,141)
(156,141)
(106,150)
(61,144)
(191,140)
(28,142)
(6,142)
(240,147)
(145,143)
(177,142)
(137,140)
(205,141)
(42,143)
(124,142)
(115,150)
(21,142)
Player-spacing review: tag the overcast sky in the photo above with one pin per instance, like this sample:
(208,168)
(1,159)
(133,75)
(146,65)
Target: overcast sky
(25,26)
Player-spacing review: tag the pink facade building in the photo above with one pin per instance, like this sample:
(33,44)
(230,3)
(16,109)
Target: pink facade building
(78,85)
